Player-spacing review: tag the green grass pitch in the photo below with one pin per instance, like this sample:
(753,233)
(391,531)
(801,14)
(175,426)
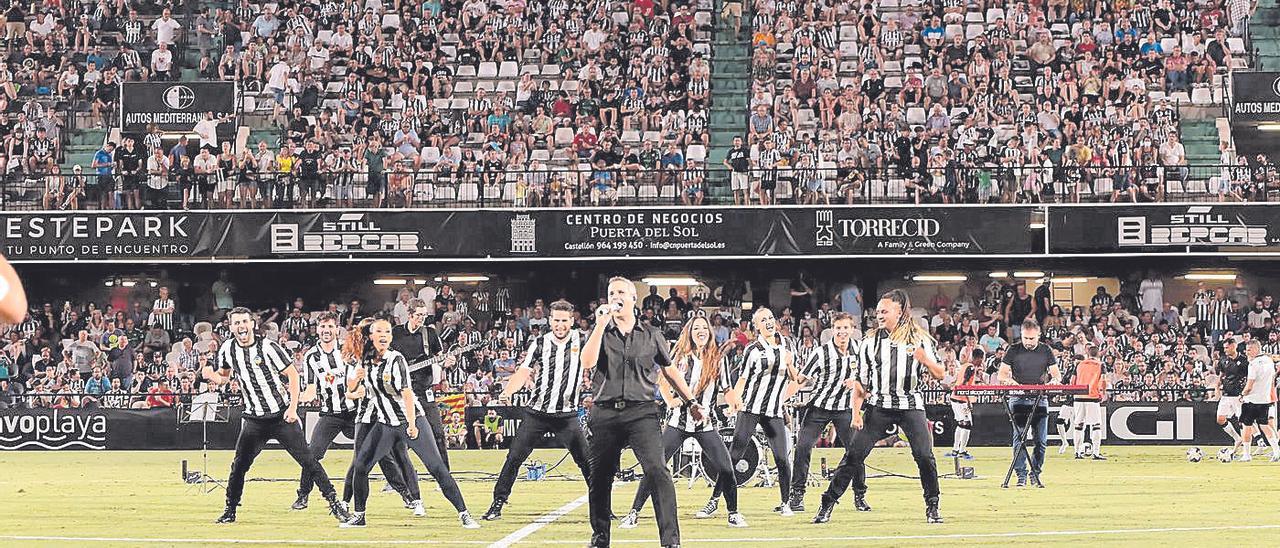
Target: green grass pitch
(1143,496)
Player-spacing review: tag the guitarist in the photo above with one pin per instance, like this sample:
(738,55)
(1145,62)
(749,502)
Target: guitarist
(418,342)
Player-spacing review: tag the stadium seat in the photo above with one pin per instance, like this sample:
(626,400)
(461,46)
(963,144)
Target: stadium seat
(564,136)
(1236,45)
(540,154)
(443,193)
(647,192)
(509,69)
(630,136)
(916,116)
(468,192)
(1201,96)
(696,153)
(488,69)
(626,193)
(466,71)
(509,192)
(431,155)
(463,87)
(783,190)
(668,192)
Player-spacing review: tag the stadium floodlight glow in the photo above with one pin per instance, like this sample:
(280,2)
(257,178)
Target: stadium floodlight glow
(1269,127)
(1036,225)
(939,278)
(998,274)
(1030,274)
(1214,277)
(468,279)
(390,281)
(1070,280)
(109,283)
(153,283)
(671,280)
(419,281)
(128,283)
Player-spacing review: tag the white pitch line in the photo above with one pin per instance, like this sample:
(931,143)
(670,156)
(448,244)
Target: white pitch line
(579,502)
(539,523)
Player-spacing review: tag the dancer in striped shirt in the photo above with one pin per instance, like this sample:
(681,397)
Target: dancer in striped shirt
(830,372)
(270,408)
(556,370)
(324,375)
(390,418)
(703,366)
(766,381)
(890,363)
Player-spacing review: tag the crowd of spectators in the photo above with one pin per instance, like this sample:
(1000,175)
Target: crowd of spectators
(988,101)
(1152,350)
(559,103)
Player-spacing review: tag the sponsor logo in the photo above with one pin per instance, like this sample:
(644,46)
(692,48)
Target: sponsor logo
(1198,226)
(825,236)
(1180,428)
(178,97)
(863,227)
(54,431)
(1275,86)
(524,230)
(351,233)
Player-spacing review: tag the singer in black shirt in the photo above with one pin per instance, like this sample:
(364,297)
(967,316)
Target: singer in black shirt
(621,353)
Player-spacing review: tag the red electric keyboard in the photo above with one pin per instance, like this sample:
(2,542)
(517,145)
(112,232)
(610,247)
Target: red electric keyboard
(1019,389)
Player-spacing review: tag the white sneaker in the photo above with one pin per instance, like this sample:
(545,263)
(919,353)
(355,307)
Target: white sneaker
(467,522)
(1246,456)
(1062,449)
(784,510)
(418,510)
(736,520)
(629,521)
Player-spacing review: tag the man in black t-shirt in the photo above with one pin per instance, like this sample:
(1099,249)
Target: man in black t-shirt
(738,160)
(1029,362)
(309,173)
(129,161)
(1232,369)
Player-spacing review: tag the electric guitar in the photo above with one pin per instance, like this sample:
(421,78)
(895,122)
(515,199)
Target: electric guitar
(438,359)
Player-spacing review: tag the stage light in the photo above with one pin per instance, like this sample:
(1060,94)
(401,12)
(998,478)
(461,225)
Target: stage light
(389,281)
(128,283)
(939,278)
(1213,277)
(671,280)
(1269,127)
(1036,225)
(1070,280)
(1030,274)
(998,274)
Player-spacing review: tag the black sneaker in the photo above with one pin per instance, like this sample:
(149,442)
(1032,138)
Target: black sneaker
(300,504)
(495,511)
(824,511)
(228,516)
(860,503)
(797,501)
(408,501)
(339,510)
(1022,482)
(1035,481)
(931,513)
(1099,457)
(354,520)
(708,510)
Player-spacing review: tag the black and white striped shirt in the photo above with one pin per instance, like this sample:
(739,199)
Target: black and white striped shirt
(328,371)
(890,373)
(679,417)
(765,371)
(1204,304)
(1218,311)
(165,319)
(259,368)
(384,382)
(557,372)
(829,369)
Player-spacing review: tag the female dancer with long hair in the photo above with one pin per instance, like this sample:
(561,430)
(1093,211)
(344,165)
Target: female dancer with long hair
(381,378)
(703,365)
(891,362)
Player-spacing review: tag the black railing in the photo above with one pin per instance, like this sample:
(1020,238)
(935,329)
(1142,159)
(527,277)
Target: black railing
(567,187)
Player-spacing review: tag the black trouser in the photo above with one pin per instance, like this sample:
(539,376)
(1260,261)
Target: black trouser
(431,458)
(715,457)
(378,440)
(568,431)
(612,429)
(814,421)
(327,428)
(432,410)
(876,421)
(398,461)
(775,429)
(254,435)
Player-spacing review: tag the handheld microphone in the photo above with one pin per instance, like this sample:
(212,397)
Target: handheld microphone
(617,307)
